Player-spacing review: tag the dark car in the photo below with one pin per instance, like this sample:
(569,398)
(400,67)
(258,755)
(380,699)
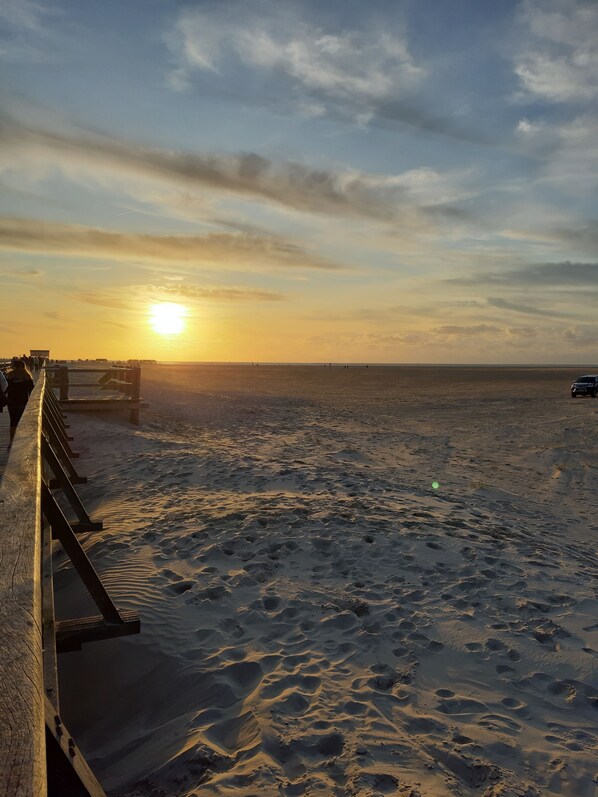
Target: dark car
(585,386)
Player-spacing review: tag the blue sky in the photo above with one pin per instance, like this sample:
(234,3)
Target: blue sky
(382,182)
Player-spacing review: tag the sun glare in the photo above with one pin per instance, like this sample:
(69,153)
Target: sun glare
(167,318)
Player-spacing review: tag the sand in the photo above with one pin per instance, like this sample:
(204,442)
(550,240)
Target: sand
(317,617)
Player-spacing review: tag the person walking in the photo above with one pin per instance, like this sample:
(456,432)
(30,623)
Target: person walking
(20,385)
(3,386)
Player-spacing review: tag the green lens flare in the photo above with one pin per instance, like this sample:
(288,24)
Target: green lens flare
(435,485)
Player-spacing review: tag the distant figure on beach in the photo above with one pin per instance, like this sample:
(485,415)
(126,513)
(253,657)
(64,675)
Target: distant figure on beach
(19,387)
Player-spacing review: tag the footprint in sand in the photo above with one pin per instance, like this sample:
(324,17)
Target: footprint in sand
(494,644)
(474,647)
(295,704)
(500,724)
(179,587)
(303,683)
(430,645)
(461,706)
(517,707)
(243,676)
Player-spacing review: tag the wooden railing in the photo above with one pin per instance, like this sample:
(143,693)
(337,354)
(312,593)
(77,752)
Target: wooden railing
(38,757)
(22,696)
(121,379)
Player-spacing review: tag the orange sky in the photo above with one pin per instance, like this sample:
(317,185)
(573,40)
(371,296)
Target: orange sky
(347,182)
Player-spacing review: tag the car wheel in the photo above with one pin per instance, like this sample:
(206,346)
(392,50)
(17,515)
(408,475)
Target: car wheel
(573,395)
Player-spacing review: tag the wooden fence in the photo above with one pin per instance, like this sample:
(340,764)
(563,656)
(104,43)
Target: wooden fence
(119,379)
(38,756)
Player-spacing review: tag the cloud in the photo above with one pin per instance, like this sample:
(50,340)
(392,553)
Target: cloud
(245,176)
(21,272)
(523,332)
(359,71)
(24,32)
(573,163)
(584,236)
(541,275)
(461,331)
(347,69)
(104,299)
(585,335)
(558,61)
(526,309)
(130,297)
(450,336)
(232,251)
(218,293)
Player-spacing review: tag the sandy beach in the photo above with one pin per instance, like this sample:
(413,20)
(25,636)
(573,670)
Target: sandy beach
(351,581)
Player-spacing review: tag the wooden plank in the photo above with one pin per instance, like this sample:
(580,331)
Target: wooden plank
(63,531)
(22,700)
(83,384)
(71,634)
(116,384)
(71,404)
(135,393)
(76,370)
(51,399)
(48,630)
(68,772)
(55,413)
(57,433)
(62,480)
(62,454)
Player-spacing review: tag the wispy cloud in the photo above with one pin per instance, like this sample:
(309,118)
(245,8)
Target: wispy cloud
(558,60)
(132,297)
(463,340)
(24,31)
(224,293)
(461,330)
(541,275)
(21,272)
(524,309)
(225,250)
(320,67)
(104,298)
(246,176)
(584,335)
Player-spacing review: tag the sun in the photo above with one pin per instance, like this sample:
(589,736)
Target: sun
(168,318)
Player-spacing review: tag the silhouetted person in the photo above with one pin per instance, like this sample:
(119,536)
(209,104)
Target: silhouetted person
(3,386)
(20,385)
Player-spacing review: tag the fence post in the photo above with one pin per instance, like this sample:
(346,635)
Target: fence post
(135,392)
(64,382)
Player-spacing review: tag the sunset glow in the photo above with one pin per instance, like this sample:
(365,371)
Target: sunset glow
(357,182)
(167,318)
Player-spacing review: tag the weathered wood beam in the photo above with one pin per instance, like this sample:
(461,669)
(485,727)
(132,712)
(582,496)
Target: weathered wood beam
(62,530)
(48,620)
(22,700)
(68,772)
(62,481)
(71,634)
(62,454)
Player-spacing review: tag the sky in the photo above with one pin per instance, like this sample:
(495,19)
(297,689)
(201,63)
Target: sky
(398,181)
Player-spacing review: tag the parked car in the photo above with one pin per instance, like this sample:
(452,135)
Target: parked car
(585,386)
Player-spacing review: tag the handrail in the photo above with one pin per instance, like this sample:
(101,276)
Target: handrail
(38,757)
(22,709)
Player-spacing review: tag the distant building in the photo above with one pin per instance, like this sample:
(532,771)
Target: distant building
(40,353)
